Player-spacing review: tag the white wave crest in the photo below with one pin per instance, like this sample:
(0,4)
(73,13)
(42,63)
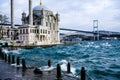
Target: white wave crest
(5,50)
(106,44)
(64,66)
(15,52)
(46,68)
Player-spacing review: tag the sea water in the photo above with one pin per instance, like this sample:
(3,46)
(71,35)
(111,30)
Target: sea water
(101,59)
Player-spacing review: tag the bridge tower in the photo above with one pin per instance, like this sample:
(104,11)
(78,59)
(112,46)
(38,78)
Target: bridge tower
(95,30)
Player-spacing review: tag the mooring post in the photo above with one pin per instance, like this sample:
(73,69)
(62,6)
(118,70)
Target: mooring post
(59,72)
(23,64)
(68,68)
(0,52)
(9,59)
(13,59)
(2,55)
(49,63)
(18,61)
(5,57)
(83,74)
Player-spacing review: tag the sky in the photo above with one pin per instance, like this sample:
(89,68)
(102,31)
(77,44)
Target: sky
(74,14)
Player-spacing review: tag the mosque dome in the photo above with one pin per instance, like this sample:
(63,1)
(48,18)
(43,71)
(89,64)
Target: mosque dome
(40,7)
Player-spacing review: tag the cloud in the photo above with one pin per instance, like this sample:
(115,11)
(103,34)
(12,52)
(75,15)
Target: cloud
(77,14)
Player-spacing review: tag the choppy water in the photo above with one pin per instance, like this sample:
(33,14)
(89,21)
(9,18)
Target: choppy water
(101,58)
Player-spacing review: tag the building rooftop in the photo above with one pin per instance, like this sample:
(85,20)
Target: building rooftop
(40,7)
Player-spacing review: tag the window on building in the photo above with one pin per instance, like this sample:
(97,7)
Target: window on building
(34,31)
(53,26)
(33,23)
(4,33)
(46,23)
(11,33)
(23,31)
(26,31)
(11,38)
(37,30)
(30,30)
(38,23)
(23,37)
(50,25)
(26,37)
(20,31)
(48,32)
(41,30)
(20,37)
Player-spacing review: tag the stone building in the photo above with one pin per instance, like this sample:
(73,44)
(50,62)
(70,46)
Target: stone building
(41,29)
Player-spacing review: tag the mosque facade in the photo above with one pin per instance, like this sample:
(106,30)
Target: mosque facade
(40,27)
(44,29)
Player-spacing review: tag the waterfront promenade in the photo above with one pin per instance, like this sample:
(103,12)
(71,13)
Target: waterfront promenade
(8,72)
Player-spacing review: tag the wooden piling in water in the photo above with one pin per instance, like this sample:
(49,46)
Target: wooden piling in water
(9,58)
(13,59)
(59,77)
(49,63)
(23,64)
(83,74)
(68,68)
(2,55)
(0,52)
(5,57)
(18,61)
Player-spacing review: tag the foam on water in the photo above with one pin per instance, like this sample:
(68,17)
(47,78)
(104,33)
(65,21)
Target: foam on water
(5,51)
(46,68)
(15,52)
(64,66)
(106,44)
(15,65)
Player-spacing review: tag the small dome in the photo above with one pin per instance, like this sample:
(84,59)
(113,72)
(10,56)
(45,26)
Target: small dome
(40,7)
(23,13)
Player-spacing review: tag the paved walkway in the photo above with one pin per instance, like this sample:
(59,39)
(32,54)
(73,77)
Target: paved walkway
(8,72)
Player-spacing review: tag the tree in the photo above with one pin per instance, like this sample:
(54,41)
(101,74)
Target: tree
(3,20)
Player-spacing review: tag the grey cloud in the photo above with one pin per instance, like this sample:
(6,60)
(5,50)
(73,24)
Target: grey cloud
(78,14)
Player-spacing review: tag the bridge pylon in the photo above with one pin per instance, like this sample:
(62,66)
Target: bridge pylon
(95,30)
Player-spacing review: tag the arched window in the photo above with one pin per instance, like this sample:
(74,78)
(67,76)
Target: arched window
(20,31)
(46,23)
(50,25)
(41,30)
(26,31)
